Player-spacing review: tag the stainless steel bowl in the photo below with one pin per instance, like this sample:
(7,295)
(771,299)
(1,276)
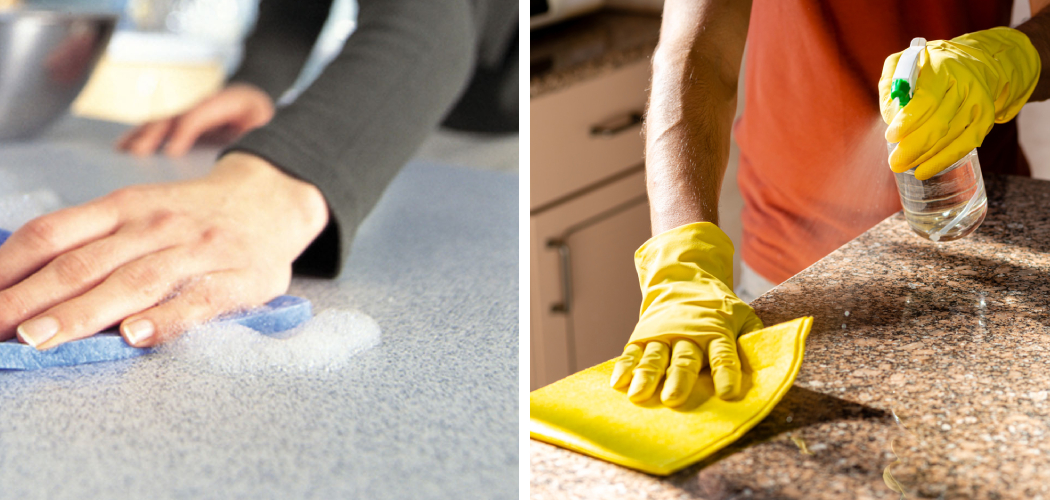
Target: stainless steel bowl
(45,60)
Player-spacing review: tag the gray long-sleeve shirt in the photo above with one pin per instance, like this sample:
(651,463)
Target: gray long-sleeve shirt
(405,68)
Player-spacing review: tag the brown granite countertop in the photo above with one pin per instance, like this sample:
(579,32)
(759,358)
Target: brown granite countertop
(928,366)
(589,46)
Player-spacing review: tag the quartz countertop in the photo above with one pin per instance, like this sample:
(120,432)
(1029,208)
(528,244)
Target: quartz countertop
(928,367)
(589,46)
(432,412)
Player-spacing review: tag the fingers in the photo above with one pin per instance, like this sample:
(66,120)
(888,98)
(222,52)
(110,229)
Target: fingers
(887,105)
(970,138)
(625,364)
(725,367)
(42,239)
(752,324)
(74,273)
(975,122)
(126,137)
(944,126)
(930,90)
(128,290)
(145,139)
(650,370)
(197,303)
(239,107)
(191,125)
(920,109)
(686,361)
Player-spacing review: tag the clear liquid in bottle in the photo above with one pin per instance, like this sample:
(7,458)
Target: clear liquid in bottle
(947,206)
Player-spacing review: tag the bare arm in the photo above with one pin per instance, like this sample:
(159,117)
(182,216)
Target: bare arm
(1038,30)
(691,107)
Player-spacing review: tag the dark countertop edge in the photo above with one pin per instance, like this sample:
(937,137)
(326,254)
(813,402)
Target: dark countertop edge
(628,37)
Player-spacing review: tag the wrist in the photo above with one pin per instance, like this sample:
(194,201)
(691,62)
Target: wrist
(692,249)
(250,175)
(1037,29)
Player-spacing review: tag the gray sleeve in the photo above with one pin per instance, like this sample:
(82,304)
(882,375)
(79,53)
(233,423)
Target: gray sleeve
(353,129)
(284,34)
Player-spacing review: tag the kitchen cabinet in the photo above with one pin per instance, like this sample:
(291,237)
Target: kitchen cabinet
(585,134)
(589,213)
(585,293)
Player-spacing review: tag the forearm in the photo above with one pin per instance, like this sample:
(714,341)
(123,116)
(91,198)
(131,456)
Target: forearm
(353,129)
(1038,31)
(284,34)
(691,108)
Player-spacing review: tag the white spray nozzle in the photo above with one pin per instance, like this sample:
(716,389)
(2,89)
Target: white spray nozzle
(903,86)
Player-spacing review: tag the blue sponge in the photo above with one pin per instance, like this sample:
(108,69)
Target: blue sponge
(280,314)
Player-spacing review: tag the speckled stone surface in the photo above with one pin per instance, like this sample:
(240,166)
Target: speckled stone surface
(588,47)
(928,368)
(429,413)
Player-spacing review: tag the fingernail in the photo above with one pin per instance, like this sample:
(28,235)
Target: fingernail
(37,331)
(138,331)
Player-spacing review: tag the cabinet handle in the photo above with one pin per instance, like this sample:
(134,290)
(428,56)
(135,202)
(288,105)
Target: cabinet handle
(565,305)
(561,244)
(616,125)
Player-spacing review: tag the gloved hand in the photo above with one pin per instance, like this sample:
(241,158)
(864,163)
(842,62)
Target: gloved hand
(689,313)
(964,85)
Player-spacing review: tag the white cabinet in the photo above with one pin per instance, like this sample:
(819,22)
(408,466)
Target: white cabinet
(589,213)
(585,134)
(585,293)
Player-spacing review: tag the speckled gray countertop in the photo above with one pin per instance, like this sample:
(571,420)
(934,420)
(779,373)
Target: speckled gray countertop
(928,368)
(588,47)
(429,413)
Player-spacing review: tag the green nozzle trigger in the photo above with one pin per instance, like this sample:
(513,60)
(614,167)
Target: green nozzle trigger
(901,91)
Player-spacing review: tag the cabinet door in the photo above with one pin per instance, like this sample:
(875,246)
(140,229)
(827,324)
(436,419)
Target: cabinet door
(586,133)
(585,294)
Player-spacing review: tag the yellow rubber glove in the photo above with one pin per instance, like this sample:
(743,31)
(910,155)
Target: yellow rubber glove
(689,314)
(964,86)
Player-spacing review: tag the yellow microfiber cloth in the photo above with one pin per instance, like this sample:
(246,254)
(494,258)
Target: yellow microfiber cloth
(582,413)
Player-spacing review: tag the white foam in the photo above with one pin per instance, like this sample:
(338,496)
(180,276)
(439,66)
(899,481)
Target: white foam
(18,208)
(325,342)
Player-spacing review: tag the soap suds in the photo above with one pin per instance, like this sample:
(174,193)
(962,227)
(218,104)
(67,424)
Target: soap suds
(326,342)
(18,208)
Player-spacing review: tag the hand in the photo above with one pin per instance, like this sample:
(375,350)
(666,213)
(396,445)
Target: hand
(689,312)
(224,117)
(158,258)
(964,85)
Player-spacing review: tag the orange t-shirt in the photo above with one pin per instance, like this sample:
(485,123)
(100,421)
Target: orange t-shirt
(813,163)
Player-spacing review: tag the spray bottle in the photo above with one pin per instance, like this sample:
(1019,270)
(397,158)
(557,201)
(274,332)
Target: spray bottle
(951,204)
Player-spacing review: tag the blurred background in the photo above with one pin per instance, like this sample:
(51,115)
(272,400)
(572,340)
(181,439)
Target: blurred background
(167,55)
